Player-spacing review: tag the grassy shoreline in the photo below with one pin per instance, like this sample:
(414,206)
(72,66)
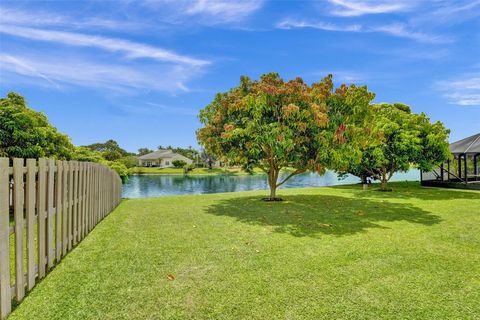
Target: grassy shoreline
(196,171)
(333,252)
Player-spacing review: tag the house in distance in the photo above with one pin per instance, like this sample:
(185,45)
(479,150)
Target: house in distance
(161,159)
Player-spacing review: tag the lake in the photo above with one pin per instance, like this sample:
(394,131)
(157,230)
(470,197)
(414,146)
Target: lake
(142,186)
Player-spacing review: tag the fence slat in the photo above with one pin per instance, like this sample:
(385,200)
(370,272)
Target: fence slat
(70,205)
(41,211)
(18,199)
(58,203)
(50,198)
(5,294)
(75,203)
(30,212)
(58,209)
(65,207)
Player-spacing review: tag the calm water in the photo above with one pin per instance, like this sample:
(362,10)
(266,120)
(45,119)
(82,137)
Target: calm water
(141,186)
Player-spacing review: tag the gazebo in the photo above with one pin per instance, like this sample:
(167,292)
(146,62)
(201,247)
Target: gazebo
(462,172)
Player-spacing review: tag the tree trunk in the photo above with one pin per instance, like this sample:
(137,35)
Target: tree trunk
(384,180)
(272,182)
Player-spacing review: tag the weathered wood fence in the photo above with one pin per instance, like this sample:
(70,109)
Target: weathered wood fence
(46,208)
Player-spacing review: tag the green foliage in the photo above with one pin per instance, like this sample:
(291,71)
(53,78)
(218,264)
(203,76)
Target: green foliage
(273,124)
(110,150)
(144,151)
(25,133)
(120,168)
(179,163)
(400,139)
(85,154)
(129,161)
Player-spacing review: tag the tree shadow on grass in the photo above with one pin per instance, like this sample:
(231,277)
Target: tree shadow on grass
(411,189)
(314,215)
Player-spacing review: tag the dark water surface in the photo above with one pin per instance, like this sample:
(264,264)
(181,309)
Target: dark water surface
(142,186)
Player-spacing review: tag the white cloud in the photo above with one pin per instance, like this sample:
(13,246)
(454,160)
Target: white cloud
(292,23)
(397,30)
(464,91)
(57,73)
(206,12)
(129,48)
(402,31)
(352,8)
(224,11)
(41,18)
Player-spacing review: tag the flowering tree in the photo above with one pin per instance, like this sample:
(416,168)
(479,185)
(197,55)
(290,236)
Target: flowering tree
(272,124)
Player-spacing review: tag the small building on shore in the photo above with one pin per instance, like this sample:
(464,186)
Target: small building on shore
(161,159)
(462,171)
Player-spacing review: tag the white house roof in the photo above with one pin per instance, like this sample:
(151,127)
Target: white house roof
(161,154)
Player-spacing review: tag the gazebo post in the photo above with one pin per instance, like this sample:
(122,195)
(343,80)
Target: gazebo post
(460,166)
(448,167)
(465,169)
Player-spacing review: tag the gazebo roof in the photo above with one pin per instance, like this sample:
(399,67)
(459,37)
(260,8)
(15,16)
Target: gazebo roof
(468,145)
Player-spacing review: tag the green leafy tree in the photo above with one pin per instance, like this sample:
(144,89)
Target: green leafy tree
(85,154)
(405,139)
(25,133)
(179,163)
(110,150)
(144,151)
(129,161)
(272,124)
(208,158)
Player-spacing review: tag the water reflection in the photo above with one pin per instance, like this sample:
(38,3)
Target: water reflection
(142,186)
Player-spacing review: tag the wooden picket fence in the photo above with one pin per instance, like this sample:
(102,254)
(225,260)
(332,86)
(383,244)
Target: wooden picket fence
(46,208)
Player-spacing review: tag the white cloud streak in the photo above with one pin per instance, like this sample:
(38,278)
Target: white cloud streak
(129,48)
(353,8)
(126,79)
(464,91)
(397,30)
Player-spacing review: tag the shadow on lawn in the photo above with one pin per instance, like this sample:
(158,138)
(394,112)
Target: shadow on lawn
(411,189)
(313,215)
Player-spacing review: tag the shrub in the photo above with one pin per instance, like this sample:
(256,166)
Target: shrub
(179,163)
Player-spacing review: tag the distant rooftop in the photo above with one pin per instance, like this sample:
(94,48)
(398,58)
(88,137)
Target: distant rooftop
(162,153)
(467,145)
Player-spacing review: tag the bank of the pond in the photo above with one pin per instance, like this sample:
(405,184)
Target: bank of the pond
(323,253)
(141,186)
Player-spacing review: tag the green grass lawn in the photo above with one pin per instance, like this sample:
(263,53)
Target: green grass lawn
(323,253)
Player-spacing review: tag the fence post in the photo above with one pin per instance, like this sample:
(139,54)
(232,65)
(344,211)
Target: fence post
(18,199)
(41,212)
(5,294)
(30,203)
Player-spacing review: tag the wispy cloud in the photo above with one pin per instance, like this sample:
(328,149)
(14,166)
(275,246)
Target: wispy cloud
(129,48)
(42,19)
(464,91)
(397,29)
(353,8)
(292,24)
(60,73)
(207,12)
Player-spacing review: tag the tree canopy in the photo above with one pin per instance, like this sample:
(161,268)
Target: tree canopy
(25,133)
(274,124)
(110,150)
(400,139)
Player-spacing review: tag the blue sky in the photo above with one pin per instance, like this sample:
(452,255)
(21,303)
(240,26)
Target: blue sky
(139,71)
